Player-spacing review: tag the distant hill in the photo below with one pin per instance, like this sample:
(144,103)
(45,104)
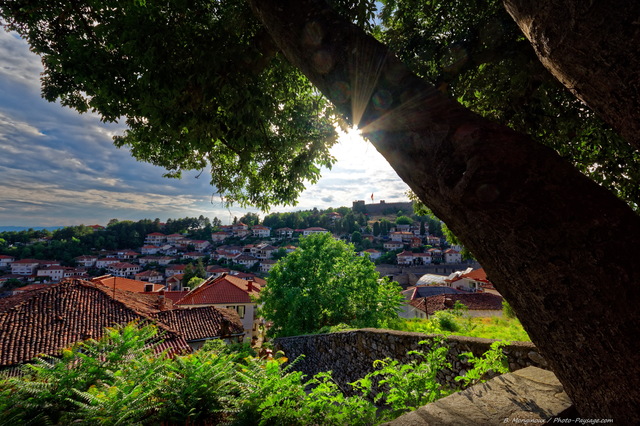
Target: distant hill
(26,228)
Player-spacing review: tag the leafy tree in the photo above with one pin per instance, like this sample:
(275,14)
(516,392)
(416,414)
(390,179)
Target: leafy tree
(404,220)
(250,219)
(324,283)
(356,237)
(376,228)
(261,127)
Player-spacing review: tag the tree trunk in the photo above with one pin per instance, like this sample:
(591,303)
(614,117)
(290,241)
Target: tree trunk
(593,48)
(561,249)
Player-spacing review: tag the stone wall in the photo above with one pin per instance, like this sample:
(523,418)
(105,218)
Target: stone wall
(350,354)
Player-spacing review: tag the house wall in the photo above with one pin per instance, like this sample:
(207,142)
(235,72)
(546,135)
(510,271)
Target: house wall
(350,354)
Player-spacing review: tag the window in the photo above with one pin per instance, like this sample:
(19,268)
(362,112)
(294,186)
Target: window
(241,311)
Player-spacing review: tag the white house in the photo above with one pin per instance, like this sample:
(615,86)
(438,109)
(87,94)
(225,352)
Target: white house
(313,230)
(150,249)
(220,236)
(266,265)
(155,238)
(392,245)
(284,232)
(261,231)
(452,256)
(6,261)
(86,261)
(373,253)
(25,266)
(123,269)
(106,261)
(246,260)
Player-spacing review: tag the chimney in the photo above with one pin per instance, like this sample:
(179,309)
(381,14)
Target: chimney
(164,303)
(250,286)
(448,302)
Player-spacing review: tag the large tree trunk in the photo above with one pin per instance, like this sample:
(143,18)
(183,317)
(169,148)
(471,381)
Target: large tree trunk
(560,248)
(593,48)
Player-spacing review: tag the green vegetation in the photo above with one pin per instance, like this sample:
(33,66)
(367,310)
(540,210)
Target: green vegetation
(324,283)
(120,379)
(447,323)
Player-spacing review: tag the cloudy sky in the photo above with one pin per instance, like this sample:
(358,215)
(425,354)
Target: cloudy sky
(58,167)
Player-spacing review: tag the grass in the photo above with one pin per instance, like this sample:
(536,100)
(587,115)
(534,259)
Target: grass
(500,328)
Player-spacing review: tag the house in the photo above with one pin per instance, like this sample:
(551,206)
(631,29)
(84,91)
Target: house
(173,238)
(240,230)
(433,240)
(46,320)
(452,256)
(220,236)
(228,292)
(174,269)
(264,251)
(284,233)
(198,325)
(246,260)
(266,265)
(123,269)
(96,227)
(393,245)
(55,273)
(160,260)
(215,271)
(261,231)
(127,254)
(474,280)
(405,258)
(194,255)
(126,284)
(422,258)
(6,261)
(105,262)
(86,261)
(150,276)
(436,255)
(415,242)
(174,282)
(373,253)
(150,249)
(25,266)
(404,236)
(155,239)
(313,230)
(199,245)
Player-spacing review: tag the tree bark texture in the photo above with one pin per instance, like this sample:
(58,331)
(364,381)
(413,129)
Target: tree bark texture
(561,249)
(593,48)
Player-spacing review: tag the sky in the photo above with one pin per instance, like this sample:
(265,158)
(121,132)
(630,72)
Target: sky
(60,168)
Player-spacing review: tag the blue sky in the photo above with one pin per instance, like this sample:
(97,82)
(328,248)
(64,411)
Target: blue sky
(58,167)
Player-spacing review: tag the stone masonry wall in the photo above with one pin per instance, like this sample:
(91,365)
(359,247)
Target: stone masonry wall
(350,354)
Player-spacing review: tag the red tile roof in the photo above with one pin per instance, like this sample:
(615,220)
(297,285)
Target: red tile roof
(125,284)
(222,290)
(202,323)
(47,320)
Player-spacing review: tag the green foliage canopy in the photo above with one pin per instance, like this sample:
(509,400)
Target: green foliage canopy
(196,83)
(324,283)
(475,52)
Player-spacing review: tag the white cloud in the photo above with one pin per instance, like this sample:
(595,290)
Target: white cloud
(61,168)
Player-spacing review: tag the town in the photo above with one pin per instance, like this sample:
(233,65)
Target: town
(229,269)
